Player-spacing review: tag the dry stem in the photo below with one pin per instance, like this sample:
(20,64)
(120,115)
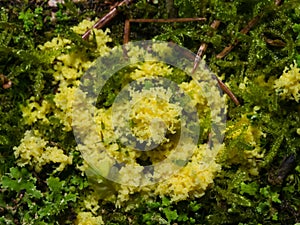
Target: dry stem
(105,19)
(245,30)
(215,24)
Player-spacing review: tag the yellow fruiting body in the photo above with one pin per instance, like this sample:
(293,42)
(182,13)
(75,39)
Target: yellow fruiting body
(36,152)
(87,218)
(288,84)
(153,116)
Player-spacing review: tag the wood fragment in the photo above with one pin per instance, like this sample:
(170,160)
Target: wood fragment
(6,83)
(126,31)
(275,43)
(215,24)
(105,19)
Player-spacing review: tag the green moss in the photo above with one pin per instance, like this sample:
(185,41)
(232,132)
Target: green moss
(246,191)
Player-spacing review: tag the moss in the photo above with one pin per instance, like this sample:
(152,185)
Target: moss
(261,133)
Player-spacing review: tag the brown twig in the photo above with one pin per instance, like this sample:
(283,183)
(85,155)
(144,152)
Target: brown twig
(245,30)
(126,31)
(173,20)
(215,24)
(275,43)
(228,49)
(105,19)
(228,91)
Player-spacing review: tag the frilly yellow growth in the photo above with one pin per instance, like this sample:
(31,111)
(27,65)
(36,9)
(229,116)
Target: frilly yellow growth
(69,67)
(35,111)
(192,180)
(245,132)
(288,84)
(63,101)
(148,69)
(34,151)
(153,115)
(189,182)
(101,36)
(87,218)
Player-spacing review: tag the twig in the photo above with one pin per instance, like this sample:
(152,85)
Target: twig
(105,19)
(245,30)
(275,43)
(228,91)
(126,31)
(215,24)
(173,20)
